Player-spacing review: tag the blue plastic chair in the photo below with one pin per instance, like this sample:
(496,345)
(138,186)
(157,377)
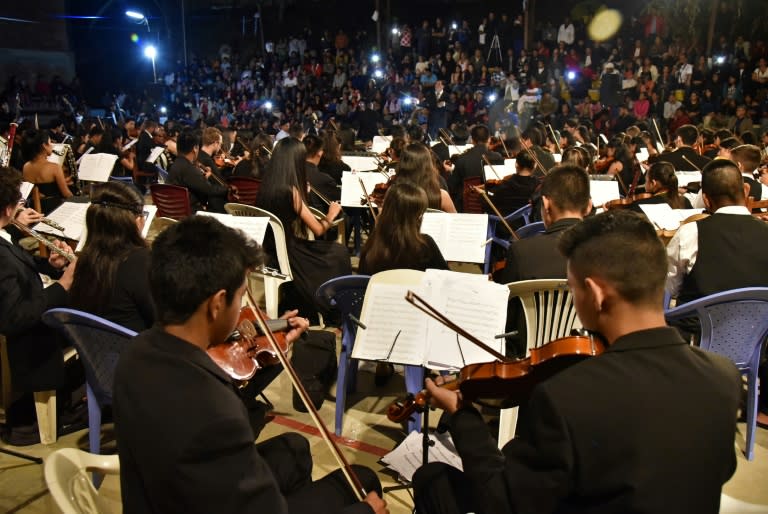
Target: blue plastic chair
(347,294)
(733,324)
(493,221)
(98,343)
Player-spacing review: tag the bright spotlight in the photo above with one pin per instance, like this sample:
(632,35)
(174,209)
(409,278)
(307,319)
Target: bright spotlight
(407,100)
(135,15)
(163,109)
(720,59)
(571,75)
(268,106)
(454,25)
(395,31)
(375,58)
(150,52)
(378,73)
(492,98)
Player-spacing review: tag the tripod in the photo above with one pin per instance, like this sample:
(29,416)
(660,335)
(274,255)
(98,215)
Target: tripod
(495,45)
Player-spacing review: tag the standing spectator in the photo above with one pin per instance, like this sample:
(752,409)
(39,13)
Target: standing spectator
(565,34)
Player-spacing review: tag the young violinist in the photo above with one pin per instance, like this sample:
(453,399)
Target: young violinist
(184,172)
(47,176)
(417,166)
(320,182)
(513,191)
(661,182)
(191,449)
(599,437)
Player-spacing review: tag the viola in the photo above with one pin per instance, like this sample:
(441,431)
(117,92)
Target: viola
(622,203)
(248,350)
(512,381)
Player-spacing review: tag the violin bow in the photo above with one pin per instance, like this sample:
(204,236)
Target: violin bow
(320,195)
(367,199)
(349,473)
(504,146)
(488,162)
(433,313)
(530,151)
(659,141)
(554,138)
(487,198)
(444,134)
(689,162)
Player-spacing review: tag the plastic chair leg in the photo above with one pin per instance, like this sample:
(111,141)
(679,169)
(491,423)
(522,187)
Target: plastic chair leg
(414,382)
(341,383)
(507,425)
(45,406)
(94,421)
(271,288)
(752,389)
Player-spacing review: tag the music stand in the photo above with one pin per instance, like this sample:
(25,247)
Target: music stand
(495,45)
(426,442)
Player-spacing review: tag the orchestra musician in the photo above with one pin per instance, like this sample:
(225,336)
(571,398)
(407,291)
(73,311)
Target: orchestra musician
(417,166)
(196,452)
(513,191)
(685,157)
(183,172)
(211,141)
(331,163)
(591,441)
(256,159)
(35,351)
(661,182)
(747,157)
(533,138)
(471,163)
(47,176)
(320,181)
(144,147)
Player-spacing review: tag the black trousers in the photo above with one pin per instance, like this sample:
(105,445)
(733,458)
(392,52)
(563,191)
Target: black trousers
(442,489)
(289,458)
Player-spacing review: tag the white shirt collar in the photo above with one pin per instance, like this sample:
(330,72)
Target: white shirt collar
(5,235)
(733,209)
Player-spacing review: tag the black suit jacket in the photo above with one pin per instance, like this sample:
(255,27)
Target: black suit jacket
(184,173)
(676,159)
(323,183)
(144,147)
(34,350)
(470,164)
(646,427)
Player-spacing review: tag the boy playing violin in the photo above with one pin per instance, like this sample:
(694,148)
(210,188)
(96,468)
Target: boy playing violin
(648,426)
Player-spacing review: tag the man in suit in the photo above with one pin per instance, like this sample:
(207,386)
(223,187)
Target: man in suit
(685,158)
(471,163)
(599,437)
(729,239)
(438,113)
(533,138)
(191,449)
(211,141)
(202,193)
(34,350)
(321,182)
(145,145)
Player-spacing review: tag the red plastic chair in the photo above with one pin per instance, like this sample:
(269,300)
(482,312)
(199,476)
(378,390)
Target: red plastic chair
(247,189)
(471,201)
(171,201)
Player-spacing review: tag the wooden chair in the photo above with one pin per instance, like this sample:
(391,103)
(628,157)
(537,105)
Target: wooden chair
(171,201)
(247,189)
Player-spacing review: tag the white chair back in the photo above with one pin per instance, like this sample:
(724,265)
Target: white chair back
(67,475)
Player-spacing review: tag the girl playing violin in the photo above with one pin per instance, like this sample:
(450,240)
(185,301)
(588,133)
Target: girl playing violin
(417,167)
(661,182)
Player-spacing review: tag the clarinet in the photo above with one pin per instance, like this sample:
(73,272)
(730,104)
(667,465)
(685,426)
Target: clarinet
(5,159)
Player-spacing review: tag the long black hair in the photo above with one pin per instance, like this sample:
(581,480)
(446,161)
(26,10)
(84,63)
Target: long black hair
(285,176)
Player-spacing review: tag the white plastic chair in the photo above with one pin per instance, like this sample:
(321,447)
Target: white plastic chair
(67,477)
(549,315)
(271,284)
(338,223)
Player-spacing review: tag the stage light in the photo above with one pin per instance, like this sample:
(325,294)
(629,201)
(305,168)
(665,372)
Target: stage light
(150,52)
(491,98)
(135,15)
(454,25)
(375,58)
(378,73)
(395,31)
(163,109)
(570,75)
(268,106)
(720,59)
(407,100)
(134,38)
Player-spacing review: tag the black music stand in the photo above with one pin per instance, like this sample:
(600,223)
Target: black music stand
(426,442)
(36,460)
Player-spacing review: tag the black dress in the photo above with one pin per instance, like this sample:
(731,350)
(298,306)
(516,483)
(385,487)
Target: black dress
(430,258)
(130,304)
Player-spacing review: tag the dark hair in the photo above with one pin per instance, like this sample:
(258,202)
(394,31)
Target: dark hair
(194,259)
(296,130)
(415,134)
(187,141)
(96,131)
(417,167)
(723,134)
(33,143)
(533,135)
(480,134)
(688,134)
(730,142)
(460,134)
(331,148)
(567,186)
(618,246)
(112,234)
(525,161)
(313,144)
(664,173)
(748,156)
(722,182)
(577,155)
(285,175)
(10,184)
(397,241)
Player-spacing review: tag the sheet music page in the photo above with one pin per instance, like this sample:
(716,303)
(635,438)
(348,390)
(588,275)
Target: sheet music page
(96,167)
(642,154)
(457,149)
(130,144)
(501,170)
(54,157)
(26,188)
(558,157)
(603,191)
(661,215)
(380,144)
(406,458)
(155,153)
(389,319)
(360,162)
(460,237)
(352,193)
(686,177)
(88,151)
(253,226)
(684,214)
(71,216)
(510,163)
(476,305)
(151,211)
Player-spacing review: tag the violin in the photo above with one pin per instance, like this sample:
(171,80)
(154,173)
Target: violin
(512,381)
(247,349)
(622,203)
(223,160)
(603,164)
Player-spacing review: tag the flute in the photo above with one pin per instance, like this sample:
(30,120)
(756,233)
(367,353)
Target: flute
(52,247)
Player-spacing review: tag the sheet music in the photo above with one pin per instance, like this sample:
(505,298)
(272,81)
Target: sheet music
(457,149)
(88,151)
(26,188)
(510,162)
(151,211)
(603,191)
(661,215)
(406,458)
(71,216)
(352,193)
(155,153)
(558,157)
(460,237)
(642,154)
(96,167)
(360,162)
(384,304)
(255,227)
(476,305)
(130,144)
(686,177)
(501,170)
(380,144)
(55,158)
